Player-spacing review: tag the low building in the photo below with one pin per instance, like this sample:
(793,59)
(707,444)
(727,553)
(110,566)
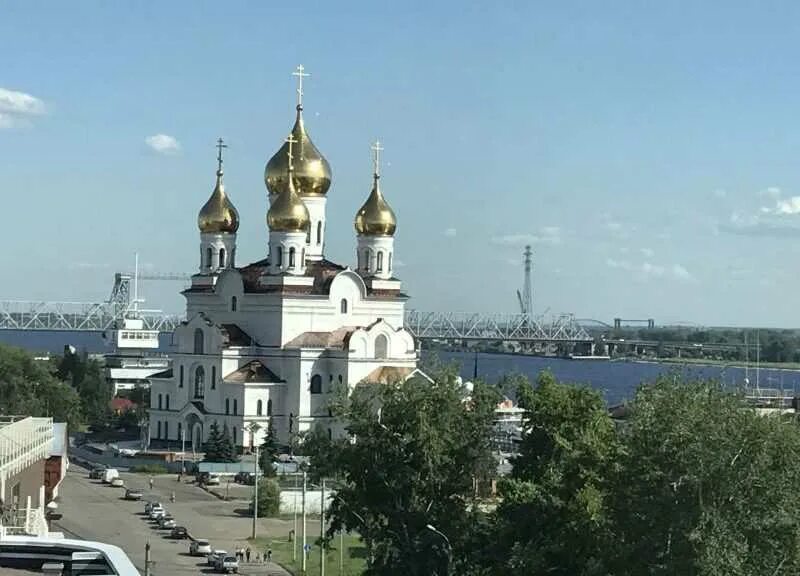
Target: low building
(25,445)
(55,467)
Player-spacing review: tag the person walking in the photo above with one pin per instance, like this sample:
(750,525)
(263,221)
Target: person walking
(247,553)
(269,555)
(151,483)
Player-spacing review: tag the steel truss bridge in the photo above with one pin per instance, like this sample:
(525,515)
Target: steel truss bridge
(97,317)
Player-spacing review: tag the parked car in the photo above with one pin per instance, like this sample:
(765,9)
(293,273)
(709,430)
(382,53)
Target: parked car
(211,559)
(202,477)
(133,494)
(150,505)
(240,478)
(200,548)
(167,522)
(212,480)
(117,482)
(157,512)
(227,564)
(96,473)
(179,532)
(109,474)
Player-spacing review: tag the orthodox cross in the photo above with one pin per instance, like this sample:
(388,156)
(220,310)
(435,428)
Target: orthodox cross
(291,140)
(300,73)
(220,145)
(376,157)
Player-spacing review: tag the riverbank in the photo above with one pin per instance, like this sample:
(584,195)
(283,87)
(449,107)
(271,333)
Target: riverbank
(787,366)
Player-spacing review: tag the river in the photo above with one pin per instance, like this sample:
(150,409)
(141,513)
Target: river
(617,380)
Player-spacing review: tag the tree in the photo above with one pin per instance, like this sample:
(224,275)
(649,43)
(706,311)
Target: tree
(706,486)
(552,518)
(412,464)
(213,448)
(227,447)
(269,497)
(28,387)
(86,377)
(268,451)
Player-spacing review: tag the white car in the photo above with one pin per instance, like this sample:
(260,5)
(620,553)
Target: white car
(157,512)
(213,480)
(117,482)
(227,563)
(211,559)
(200,548)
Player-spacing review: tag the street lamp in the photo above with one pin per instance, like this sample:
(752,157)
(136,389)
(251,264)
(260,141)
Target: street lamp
(433,529)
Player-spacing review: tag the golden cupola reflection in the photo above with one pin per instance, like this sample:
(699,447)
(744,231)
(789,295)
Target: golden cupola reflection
(218,214)
(288,213)
(376,217)
(312,173)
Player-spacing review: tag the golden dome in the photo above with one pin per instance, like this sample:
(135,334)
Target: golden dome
(218,214)
(312,173)
(288,213)
(375,218)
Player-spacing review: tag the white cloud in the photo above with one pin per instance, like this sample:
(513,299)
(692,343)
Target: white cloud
(547,235)
(450,232)
(647,252)
(163,144)
(680,272)
(646,271)
(770,192)
(17,106)
(789,206)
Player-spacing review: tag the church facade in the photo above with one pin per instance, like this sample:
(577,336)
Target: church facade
(275,340)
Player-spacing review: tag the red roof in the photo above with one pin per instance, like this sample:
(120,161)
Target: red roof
(121,404)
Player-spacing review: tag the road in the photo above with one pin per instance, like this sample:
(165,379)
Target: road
(95,511)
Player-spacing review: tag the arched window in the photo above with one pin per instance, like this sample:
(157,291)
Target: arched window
(180,381)
(233,303)
(269,407)
(209,257)
(222,257)
(316,384)
(213,377)
(279,256)
(227,405)
(381,346)
(390,261)
(379,266)
(198,341)
(233,257)
(343,306)
(360,264)
(167,401)
(234,437)
(159,401)
(259,407)
(199,382)
(166,430)
(235,407)
(319,232)
(291,257)
(367,260)
(158,434)
(180,432)
(308,235)
(303,257)
(330,434)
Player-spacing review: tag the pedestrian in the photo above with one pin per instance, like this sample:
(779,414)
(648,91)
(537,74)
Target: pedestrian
(269,555)
(247,553)
(151,482)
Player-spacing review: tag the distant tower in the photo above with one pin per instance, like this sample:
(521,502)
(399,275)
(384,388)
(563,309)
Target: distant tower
(526,296)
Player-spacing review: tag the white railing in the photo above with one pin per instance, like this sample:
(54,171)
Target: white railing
(23,441)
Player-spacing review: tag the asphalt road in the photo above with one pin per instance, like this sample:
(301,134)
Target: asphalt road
(95,511)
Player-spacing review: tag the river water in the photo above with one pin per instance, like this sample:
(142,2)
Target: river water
(617,380)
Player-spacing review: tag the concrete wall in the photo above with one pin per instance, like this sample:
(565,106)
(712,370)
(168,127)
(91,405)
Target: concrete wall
(30,482)
(291,498)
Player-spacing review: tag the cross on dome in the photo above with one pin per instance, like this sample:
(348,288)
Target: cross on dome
(220,145)
(376,156)
(300,73)
(291,140)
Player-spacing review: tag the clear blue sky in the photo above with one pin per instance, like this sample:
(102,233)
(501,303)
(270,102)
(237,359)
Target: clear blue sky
(651,151)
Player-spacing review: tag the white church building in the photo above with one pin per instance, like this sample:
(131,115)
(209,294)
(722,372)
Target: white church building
(278,338)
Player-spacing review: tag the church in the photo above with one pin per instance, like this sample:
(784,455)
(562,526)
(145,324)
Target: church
(276,340)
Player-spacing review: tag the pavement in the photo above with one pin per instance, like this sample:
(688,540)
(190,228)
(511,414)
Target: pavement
(95,511)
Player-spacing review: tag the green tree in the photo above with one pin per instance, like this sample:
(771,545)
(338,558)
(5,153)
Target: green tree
(28,387)
(268,451)
(87,378)
(269,497)
(227,447)
(552,517)
(213,448)
(418,448)
(706,486)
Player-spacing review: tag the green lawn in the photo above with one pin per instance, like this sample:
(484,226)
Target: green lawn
(353,561)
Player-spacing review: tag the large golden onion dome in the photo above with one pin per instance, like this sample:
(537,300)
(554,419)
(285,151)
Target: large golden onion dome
(288,213)
(218,214)
(376,217)
(312,173)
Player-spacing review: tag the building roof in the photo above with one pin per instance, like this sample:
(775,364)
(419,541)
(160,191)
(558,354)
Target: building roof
(165,374)
(388,375)
(253,371)
(199,405)
(337,339)
(121,404)
(235,336)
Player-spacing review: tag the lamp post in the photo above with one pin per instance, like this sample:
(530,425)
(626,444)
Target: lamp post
(433,529)
(253,429)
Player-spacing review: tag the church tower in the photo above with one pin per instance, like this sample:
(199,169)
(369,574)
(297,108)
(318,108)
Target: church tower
(312,176)
(375,225)
(218,222)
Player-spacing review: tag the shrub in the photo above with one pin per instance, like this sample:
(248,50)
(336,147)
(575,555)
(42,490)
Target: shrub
(150,469)
(269,497)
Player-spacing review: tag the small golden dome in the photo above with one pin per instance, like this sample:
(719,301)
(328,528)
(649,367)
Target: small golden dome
(312,173)
(218,214)
(288,213)
(375,218)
